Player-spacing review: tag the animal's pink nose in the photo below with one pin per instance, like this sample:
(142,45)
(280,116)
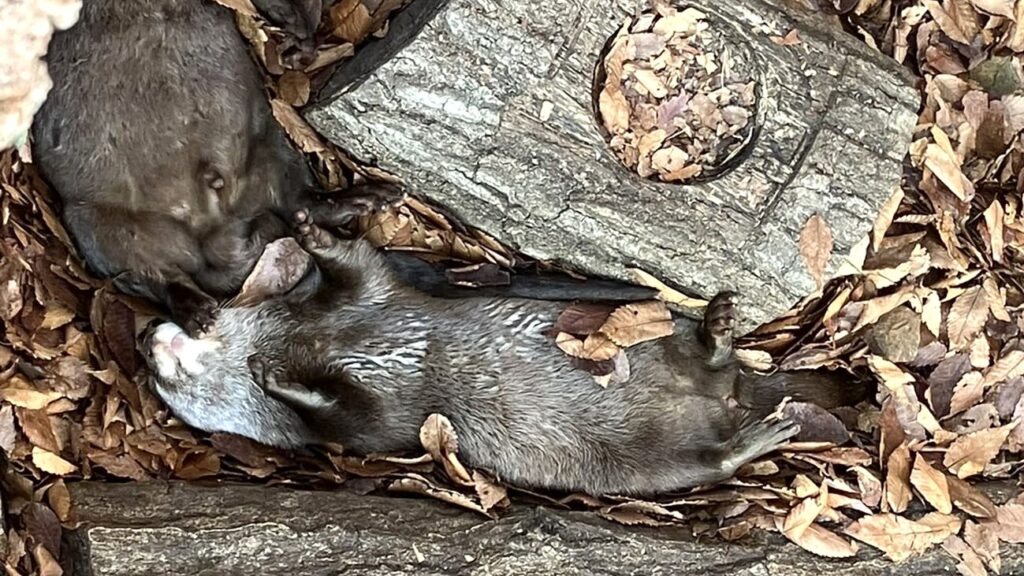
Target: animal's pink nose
(178,343)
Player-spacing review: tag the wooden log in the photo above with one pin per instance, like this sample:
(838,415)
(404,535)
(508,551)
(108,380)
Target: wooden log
(455,110)
(178,529)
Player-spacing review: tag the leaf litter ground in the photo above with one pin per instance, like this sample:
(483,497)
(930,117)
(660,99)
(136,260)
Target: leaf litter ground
(928,309)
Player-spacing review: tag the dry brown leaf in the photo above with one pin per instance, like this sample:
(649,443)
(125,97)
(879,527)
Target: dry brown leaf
(801,516)
(931,313)
(970,499)
(614,109)
(351,20)
(293,87)
(583,318)
(416,484)
(438,437)
(994,216)
(969,454)
(998,7)
(816,247)
(901,538)
(944,163)
(60,500)
(37,427)
(897,479)
(8,435)
(985,542)
(490,493)
(996,299)
(792,38)
(819,540)
(967,393)
(952,23)
(49,462)
(296,126)
(122,465)
(281,266)
(665,293)
(48,565)
(1010,366)
(28,399)
(597,346)
(241,6)
(884,218)
(970,563)
(639,322)
(1009,523)
(869,486)
(931,484)
(914,417)
(967,317)
(630,518)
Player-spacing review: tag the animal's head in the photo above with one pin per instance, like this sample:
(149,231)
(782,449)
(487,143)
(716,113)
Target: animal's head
(208,384)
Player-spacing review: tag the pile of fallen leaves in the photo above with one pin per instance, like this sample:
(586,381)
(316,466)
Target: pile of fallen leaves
(677,101)
(928,307)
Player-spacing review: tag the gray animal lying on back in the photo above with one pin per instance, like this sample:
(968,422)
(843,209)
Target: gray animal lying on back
(353,356)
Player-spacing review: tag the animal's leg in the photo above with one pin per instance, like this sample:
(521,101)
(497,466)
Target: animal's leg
(338,210)
(717,464)
(273,379)
(346,265)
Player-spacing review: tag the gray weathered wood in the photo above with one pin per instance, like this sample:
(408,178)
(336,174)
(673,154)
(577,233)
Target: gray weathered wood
(177,529)
(455,114)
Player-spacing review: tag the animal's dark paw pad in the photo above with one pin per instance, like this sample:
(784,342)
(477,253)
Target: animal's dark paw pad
(312,237)
(200,317)
(721,315)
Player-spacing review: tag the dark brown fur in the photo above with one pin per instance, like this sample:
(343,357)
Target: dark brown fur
(159,139)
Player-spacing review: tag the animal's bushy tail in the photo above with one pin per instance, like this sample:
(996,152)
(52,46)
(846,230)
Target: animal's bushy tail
(827,389)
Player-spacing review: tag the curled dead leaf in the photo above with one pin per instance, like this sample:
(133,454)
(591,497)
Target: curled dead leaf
(932,485)
(969,454)
(632,324)
(816,247)
(49,462)
(901,538)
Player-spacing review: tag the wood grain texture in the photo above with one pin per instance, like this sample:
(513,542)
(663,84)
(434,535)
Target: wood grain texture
(455,113)
(179,529)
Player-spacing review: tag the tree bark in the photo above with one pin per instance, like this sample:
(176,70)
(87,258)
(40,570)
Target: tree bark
(454,110)
(178,529)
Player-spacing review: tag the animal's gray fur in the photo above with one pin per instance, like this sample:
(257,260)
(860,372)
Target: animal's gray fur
(359,359)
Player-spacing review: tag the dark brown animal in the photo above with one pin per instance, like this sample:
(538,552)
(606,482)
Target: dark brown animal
(159,140)
(174,174)
(355,357)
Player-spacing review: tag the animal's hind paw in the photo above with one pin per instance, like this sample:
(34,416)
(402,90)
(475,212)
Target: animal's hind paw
(312,237)
(716,330)
(759,438)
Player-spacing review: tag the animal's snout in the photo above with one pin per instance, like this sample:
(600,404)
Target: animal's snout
(172,350)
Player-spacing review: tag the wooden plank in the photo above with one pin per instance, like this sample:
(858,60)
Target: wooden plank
(455,112)
(177,529)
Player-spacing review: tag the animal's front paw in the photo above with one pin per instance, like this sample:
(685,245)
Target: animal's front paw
(172,353)
(265,374)
(200,319)
(192,308)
